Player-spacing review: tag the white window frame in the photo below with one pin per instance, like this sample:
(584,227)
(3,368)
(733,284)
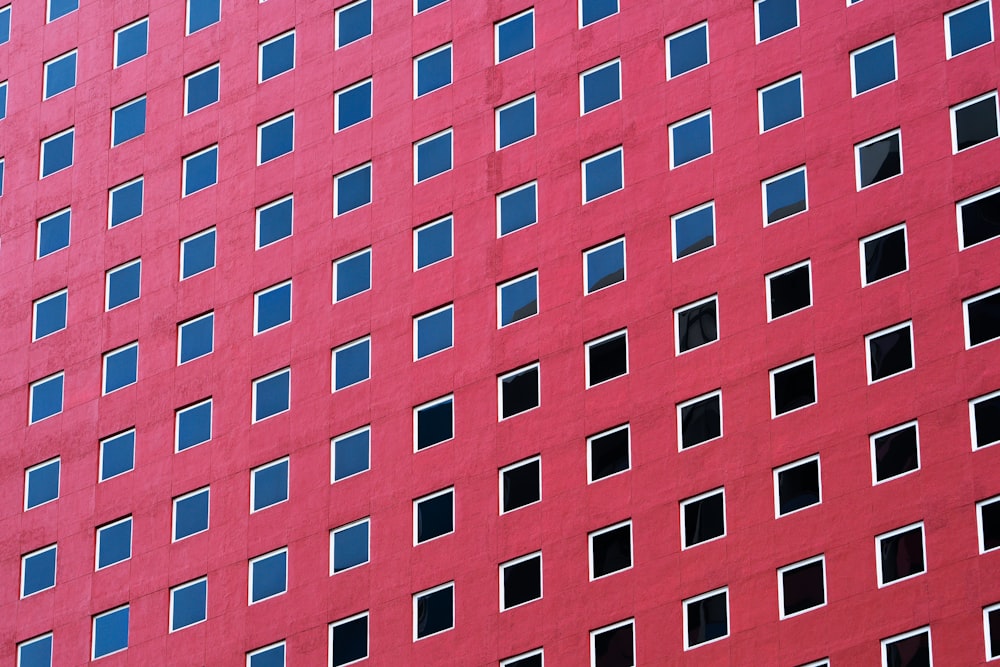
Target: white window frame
(48,635)
(416,153)
(720,490)
(344,621)
(496,35)
(517,371)
(972,418)
(685,121)
(698,598)
(777,177)
(173,521)
(496,120)
(93,631)
(180,336)
(776,84)
(97,542)
(449,585)
(336,189)
(179,587)
(681,33)
(263,649)
(260,54)
(107,283)
(961,105)
(780,272)
(430,496)
(24,561)
(38,228)
(512,660)
(811,359)
(333,362)
(756,23)
(620,149)
(368,546)
(114,120)
(345,258)
(583,74)
(450,398)
(41,154)
(608,628)
(782,615)
(253,482)
(333,452)
(104,367)
(256,306)
(416,245)
(337,98)
(508,283)
(517,561)
(31,397)
(581,24)
(122,186)
(590,448)
(947,33)
(260,135)
(874,237)
(177,423)
(906,635)
(686,307)
(607,529)
(597,341)
(263,207)
(979,523)
(144,19)
(867,142)
(680,424)
(34,313)
(889,431)
(187,17)
(76,71)
(965,317)
(586,272)
(336,23)
(512,466)
(986,632)
(788,466)
(908,324)
(894,533)
(511,191)
(673,229)
(100,456)
(433,52)
(958,217)
(867,47)
(184,169)
(253,391)
(252,562)
(187,80)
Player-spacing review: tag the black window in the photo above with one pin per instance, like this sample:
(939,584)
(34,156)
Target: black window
(435,422)
(803,586)
(879,159)
(607,358)
(983,317)
(989,525)
(975,121)
(789,290)
(533,659)
(700,419)
(703,517)
(901,554)
(909,650)
(706,618)
(520,484)
(889,352)
(519,391)
(521,580)
(793,387)
(895,452)
(614,646)
(979,218)
(348,640)
(985,413)
(611,549)
(609,453)
(697,324)
(435,515)
(884,254)
(434,611)
(797,485)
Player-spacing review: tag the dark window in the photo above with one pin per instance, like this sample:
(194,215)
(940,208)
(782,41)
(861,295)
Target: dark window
(700,419)
(515,35)
(983,317)
(432,70)
(968,27)
(128,121)
(602,175)
(520,484)
(518,299)
(706,618)
(354,22)
(985,412)
(604,266)
(704,517)
(697,324)
(348,640)
(803,587)
(519,391)
(975,121)
(349,546)
(879,159)
(797,485)
(53,233)
(775,17)
(125,202)
(993,631)
(614,646)
(592,11)
(268,575)
(277,55)
(515,122)
(434,611)
(352,275)
(901,554)
(890,352)
(780,103)
(600,86)
(687,50)
(517,209)
(611,550)
(690,139)
(789,290)
(201,89)
(433,332)
(979,218)
(434,515)
(694,230)
(793,387)
(785,195)
(989,526)
(895,452)
(521,580)
(434,423)
(274,221)
(432,156)
(534,659)
(350,453)
(352,363)
(194,425)
(912,650)
(874,65)
(884,254)
(607,358)
(609,453)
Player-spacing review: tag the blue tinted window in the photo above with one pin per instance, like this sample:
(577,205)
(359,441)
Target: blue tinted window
(354,22)
(121,368)
(604,266)
(39,571)
(273,656)
(351,454)
(114,543)
(351,363)
(50,315)
(434,332)
(201,89)
(352,275)
(433,156)
(42,481)
(874,66)
(353,189)
(5,24)
(269,485)
(687,50)
(273,307)
(517,209)
(1,176)
(271,395)
(515,122)
(125,202)
(123,284)
(600,86)
(117,455)
(592,11)
(275,138)
(188,604)
(46,397)
(969,27)
(131,42)
(35,652)
(433,70)
(433,242)
(602,175)
(775,17)
(194,425)
(350,546)
(427,4)
(57,153)
(277,56)
(518,299)
(53,233)
(274,222)
(111,632)
(780,103)
(190,514)
(128,121)
(690,139)
(354,104)
(60,8)
(694,230)
(515,35)
(201,14)
(268,576)
(3,100)
(195,338)
(201,170)
(785,195)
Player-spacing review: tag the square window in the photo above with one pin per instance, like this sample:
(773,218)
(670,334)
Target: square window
(873,65)
(352,363)
(197,253)
(49,314)
(802,586)
(895,452)
(352,274)
(515,35)
(349,546)
(352,189)
(775,17)
(613,645)
(690,139)
(274,221)
(53,233)
(131,41)
(982,318)
(519,391)
(697,324)
(693,230)
(515,121)
(128,121)
(38,570)
(878,159)
(687,50)
(268,575)
(699,420)
(900,554)
(59,74)
(41,483)
(352,105)
(703,518)
(433,423)
(604,265)
(349,640)
(353,22)
(433,332)
(201,170)
(201,89)
(784,195)
(45,398)
(991,626)
(121,368)
(608,453)
(117,455)
(267,656)
(195,338)
(422,5)
(706,617)
(789,290)
(984,416)
(780,102)
(275,138)
(910,649)
(432,243)
(517,208)
(610,549)
(883,254)
(272,394)
(114,543)
(57,153)
(125,202)
(988,518)
(530,659)
(520,581)
(432,156)
(889,352)
(968,27)
(793,386)
(4,24)
(432,70)
(110,632)
(978,218)
(600,86)
(122,284)
(797,486)
(272,307)
(188,604)
(434,516)
(974,122)
(433,611)
(35,652)
(607,357)
(201,14)
(520,484)
(268,485)
(191,514)
(517,299)
(592,11)
(603,174)
(350,454)
(193,425)
(276,56)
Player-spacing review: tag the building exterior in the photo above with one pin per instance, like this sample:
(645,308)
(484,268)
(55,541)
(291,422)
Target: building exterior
(497,333)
